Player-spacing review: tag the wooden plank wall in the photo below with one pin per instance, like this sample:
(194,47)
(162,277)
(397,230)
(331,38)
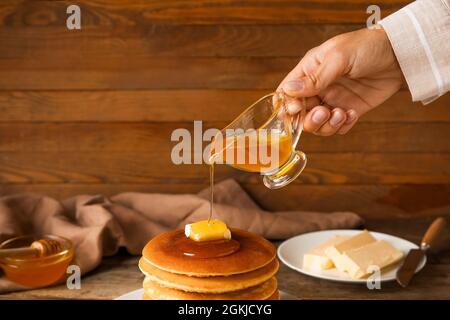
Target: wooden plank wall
(91,111)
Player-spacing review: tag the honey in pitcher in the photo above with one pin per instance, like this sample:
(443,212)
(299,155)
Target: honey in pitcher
(258,151)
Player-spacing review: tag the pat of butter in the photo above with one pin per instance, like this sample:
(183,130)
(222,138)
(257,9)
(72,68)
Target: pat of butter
(380,253)
(316,259)
(207,231)
(336,252)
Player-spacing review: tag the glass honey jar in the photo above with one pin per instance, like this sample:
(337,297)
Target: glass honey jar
(36,271)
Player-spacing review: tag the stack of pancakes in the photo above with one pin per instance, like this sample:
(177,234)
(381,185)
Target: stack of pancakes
(247,273)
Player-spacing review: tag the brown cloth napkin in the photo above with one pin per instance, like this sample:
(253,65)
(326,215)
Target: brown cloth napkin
(98,225)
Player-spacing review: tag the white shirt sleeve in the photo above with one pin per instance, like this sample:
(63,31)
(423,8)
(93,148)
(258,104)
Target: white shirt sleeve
(420,37)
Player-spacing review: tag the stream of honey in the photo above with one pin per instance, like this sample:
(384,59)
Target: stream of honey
(211,190)
(249,152)
(253,152)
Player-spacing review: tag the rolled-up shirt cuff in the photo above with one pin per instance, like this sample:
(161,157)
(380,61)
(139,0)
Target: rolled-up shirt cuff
(420,37)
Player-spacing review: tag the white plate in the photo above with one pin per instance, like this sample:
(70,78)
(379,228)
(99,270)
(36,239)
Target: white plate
(137,295)
(292,250)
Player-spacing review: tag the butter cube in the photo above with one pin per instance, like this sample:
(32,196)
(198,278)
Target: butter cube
(316,259)
(379,253)
(207,230)
(336,252)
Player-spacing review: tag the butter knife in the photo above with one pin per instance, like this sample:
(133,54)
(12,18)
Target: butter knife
(430,240)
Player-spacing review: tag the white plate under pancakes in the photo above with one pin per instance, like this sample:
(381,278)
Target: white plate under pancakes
(292,250)
(137,295)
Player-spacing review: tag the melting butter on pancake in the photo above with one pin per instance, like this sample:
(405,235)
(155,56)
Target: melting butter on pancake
(154,291)
(217,284)
(207,230)
(255,252)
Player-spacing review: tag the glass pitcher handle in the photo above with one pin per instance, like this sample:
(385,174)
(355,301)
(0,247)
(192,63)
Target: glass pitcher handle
(297,123)
(289,171)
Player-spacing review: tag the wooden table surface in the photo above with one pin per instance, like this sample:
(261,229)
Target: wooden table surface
(119,274)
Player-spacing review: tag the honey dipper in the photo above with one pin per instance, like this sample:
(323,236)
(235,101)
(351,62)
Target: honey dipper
(39,248)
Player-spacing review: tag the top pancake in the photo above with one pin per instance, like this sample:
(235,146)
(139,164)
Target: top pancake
(254,253)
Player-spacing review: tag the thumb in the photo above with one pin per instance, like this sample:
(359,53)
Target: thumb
(332,67)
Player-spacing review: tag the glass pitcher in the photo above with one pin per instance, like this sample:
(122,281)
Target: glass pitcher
(263,139)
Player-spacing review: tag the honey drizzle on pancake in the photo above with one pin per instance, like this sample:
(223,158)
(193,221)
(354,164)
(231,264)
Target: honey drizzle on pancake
(210,230)
(204,249)
(211,161)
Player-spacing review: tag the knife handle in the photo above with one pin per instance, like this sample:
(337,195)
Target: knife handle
(434,233)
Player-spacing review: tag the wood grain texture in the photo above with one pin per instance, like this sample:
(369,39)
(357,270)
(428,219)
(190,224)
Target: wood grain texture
(156,137)
(154,167)
(129,12)
(85,72)
(178,105)
(155,40)
(43,55)
(92,111)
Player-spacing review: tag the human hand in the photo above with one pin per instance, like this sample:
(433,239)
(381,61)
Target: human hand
(342,79)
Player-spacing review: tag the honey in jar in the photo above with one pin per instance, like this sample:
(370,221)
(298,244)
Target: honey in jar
(36,271)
